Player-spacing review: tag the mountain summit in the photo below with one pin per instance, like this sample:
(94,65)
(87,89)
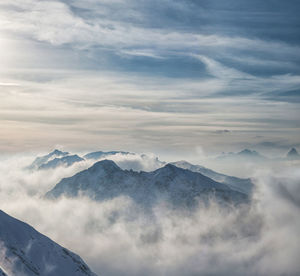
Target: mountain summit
(293,154)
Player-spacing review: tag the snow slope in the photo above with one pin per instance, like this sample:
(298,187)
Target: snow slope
(63,161)
(243,185)
(41,160)
(29,253)
(2,273)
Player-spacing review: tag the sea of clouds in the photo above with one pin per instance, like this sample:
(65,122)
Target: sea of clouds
(116,237)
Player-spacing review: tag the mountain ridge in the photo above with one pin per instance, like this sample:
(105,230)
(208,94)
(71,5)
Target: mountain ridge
(106,180)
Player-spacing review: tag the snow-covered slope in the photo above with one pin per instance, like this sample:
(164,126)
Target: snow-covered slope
(243,185)
(39,161)
(2,273)
(106,180)
(63,161)
(29,253)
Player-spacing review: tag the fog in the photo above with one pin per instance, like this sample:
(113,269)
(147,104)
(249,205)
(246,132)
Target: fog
(116,237)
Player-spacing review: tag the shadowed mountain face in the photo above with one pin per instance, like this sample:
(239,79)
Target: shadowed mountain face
(238,184)
(29,253)
(175,185)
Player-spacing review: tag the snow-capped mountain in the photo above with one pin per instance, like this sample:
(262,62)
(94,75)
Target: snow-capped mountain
(179,186)
(29,253)
(42,160)
(126,160)
(66,161)
(243,185)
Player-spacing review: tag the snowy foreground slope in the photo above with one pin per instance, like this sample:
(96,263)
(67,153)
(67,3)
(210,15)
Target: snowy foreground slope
(26,252)
(2,273)
(105,180)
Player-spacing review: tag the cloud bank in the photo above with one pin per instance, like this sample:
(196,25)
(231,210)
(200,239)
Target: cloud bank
(115,237)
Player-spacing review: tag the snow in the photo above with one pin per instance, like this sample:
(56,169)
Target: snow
(243,185)
(28,252)
(63,161)
(46,158)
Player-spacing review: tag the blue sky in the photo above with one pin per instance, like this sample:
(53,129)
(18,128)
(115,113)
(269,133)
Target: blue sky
(162,76)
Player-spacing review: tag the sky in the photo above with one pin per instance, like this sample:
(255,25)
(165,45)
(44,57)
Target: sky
(180,77)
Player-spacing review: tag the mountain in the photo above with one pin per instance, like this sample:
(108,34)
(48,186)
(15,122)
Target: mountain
(178,186)
(244,155)
(102,154)
(64,161)
(238,184)
(39,161)
(29,253)
(293,154)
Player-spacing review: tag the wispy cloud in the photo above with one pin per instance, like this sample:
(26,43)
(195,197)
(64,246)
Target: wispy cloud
(165,79)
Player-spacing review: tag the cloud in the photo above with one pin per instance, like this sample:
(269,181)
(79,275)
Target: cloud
(151,64)
(115,237)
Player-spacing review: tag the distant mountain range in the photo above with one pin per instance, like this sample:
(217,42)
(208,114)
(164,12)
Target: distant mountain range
(66,161)
(105,180)
(244,155)
(59,158)
(29,253)
(126,160)
(43,160)
(178,182)
(254,156)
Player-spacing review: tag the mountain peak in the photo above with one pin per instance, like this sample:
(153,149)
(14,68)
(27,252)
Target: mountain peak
(170,167)
(107,165)
(293,153)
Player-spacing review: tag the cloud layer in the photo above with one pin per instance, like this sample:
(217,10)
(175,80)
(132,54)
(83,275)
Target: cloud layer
(117,238)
